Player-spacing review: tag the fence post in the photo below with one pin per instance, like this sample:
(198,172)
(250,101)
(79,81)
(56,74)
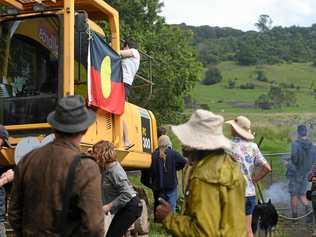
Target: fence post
(271,175)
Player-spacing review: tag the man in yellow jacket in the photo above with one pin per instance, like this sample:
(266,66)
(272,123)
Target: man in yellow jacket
(214,196)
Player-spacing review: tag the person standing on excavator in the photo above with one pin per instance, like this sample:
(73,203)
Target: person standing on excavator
(130,64)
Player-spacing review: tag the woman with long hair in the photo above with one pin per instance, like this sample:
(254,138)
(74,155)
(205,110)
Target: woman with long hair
(165,163)
(119,196)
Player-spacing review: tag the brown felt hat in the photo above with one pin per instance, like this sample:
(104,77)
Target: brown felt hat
(71,115)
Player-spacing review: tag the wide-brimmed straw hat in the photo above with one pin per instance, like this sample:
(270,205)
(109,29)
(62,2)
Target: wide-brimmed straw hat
(204,131)
(242,126)
(71,115)
(5,136)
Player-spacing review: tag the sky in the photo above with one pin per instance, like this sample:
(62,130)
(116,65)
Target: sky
(239,14)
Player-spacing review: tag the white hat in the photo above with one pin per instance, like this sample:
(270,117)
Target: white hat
(204,131)
(242,126)
(164,140)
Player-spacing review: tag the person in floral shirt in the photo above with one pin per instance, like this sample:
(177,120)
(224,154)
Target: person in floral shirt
(247,153)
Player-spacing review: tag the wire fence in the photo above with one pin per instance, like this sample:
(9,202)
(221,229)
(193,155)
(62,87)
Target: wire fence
(278,163)
(275,186)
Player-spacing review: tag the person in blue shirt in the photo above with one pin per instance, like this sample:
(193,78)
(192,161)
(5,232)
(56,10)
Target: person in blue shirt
(165,164)
(302,157)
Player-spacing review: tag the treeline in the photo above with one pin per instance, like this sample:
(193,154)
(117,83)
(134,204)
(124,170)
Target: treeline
(271,46)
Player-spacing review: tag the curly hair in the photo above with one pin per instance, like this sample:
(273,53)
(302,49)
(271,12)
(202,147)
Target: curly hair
(103,153)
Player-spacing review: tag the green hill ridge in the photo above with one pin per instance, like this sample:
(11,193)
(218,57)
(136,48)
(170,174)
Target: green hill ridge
(219,98)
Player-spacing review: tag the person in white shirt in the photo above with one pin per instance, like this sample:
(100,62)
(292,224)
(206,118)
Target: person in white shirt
(249,156)
(130,64)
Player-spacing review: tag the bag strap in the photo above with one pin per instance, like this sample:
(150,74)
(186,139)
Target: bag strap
(67,194)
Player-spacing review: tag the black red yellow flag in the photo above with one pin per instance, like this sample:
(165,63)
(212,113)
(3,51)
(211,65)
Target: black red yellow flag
(105,77)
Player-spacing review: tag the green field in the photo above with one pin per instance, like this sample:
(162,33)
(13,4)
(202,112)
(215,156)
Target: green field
(277,126)
(221,99)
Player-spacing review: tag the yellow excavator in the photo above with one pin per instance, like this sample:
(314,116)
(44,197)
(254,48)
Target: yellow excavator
(43,57)
(43,54)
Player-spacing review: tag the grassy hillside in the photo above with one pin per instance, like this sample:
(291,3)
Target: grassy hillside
(276,126)
(221,99)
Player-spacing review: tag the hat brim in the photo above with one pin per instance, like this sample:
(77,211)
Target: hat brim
(191,137)
(71,128)
(242,132)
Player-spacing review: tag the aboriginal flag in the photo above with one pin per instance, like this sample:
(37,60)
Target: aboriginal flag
(105,77)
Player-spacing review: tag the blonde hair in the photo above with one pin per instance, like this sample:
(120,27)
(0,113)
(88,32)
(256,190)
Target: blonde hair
(163,142)
(162,152)
(103,153)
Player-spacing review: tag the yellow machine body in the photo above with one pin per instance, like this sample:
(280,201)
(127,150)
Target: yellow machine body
(54,30)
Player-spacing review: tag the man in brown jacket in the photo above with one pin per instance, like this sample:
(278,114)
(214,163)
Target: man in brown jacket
(38,191)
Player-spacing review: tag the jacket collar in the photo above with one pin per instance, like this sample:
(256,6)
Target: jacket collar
(66,143)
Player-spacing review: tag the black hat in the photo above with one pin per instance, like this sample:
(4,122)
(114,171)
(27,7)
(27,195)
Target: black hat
(71,115)
(5,136)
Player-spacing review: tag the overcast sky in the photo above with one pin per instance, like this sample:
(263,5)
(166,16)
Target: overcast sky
(239,14)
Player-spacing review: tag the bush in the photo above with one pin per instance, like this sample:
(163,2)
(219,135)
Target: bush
(205,106)
(285,85)
(212,76)
(246,55)
(263,102)
(189,102)
(248,85)
(260,76)
(231,84)
(277,97)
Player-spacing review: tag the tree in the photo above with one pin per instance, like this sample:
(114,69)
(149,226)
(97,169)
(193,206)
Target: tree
(212,76)
(276,94)
(231,84)
(264,23)
(277,97)
(246,55)
(263,102)
(175,66)
(260,76)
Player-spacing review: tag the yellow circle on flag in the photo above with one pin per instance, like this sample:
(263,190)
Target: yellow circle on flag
(106,76)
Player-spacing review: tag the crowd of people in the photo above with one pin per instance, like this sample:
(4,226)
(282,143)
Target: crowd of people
(57,190)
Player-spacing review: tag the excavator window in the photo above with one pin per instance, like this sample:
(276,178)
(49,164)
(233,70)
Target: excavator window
(28,70)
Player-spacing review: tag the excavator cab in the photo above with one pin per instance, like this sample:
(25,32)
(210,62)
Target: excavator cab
(43,57)
(29,70)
